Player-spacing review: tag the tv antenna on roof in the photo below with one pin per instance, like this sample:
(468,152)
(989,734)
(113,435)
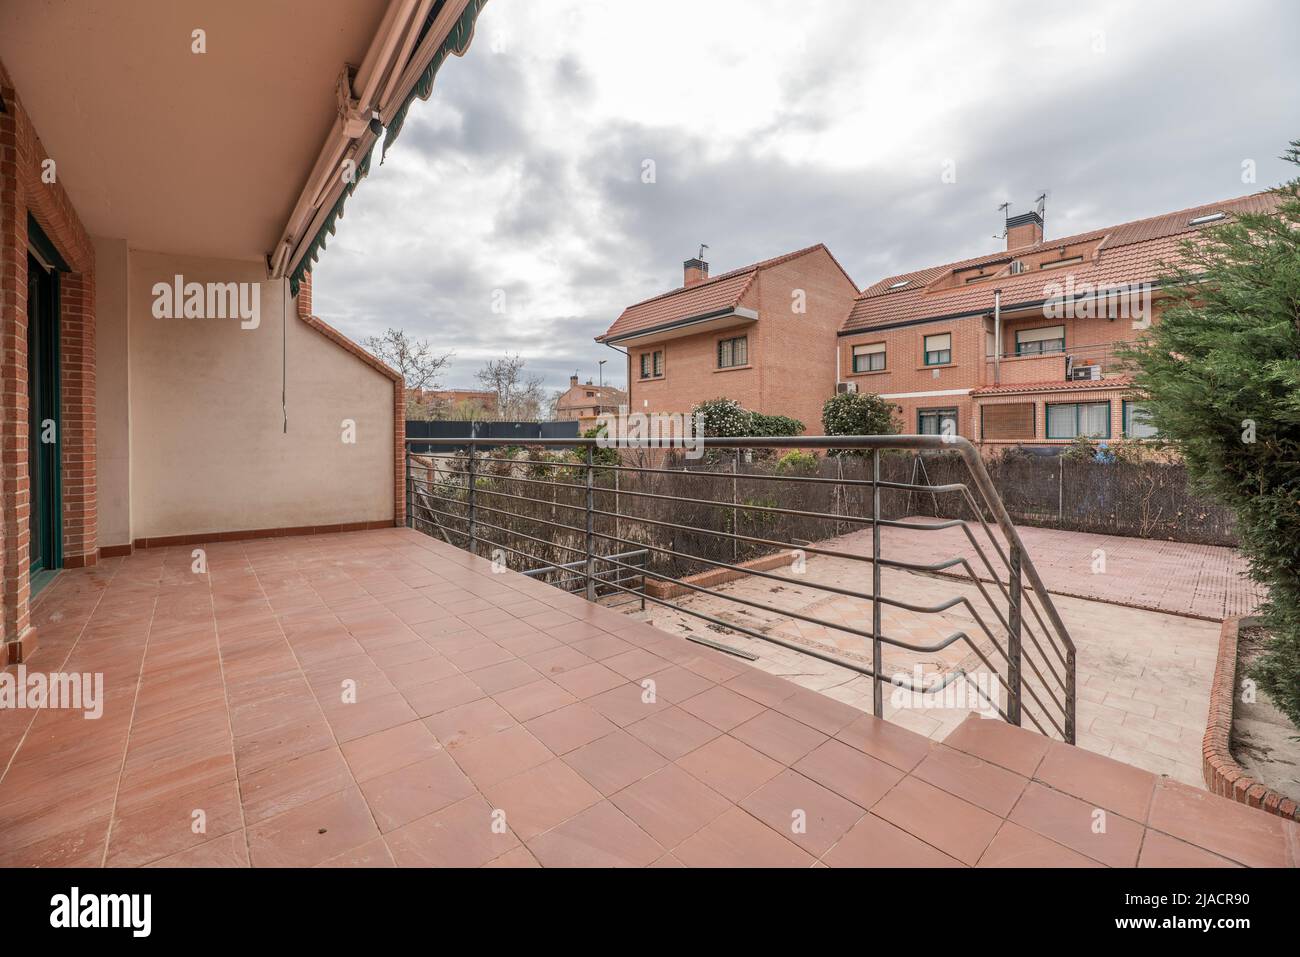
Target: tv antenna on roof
(1004,209)
(703,246)
(1041,205)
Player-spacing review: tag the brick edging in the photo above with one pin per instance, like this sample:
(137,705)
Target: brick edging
(1223,775)
(716,576)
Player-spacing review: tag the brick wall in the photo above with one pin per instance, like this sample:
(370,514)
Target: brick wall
(791,368)
(906,372)
(23,191)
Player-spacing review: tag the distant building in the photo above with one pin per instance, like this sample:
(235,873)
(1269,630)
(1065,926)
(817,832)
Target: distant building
(763,335)
(583,402)
(1022,346)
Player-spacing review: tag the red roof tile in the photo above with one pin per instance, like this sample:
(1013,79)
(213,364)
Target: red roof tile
(1056,385)
(1128,253)
(719,292)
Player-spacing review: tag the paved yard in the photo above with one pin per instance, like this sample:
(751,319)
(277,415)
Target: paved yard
(1203,581)
(1143,676)
(380,698)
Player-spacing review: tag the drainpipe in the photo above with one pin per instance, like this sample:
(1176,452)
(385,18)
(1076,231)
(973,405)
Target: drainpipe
(997,336)
(627,368)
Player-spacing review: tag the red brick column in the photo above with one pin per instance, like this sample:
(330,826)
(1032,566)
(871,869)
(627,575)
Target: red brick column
(77,382)
(14,504)
(29,184)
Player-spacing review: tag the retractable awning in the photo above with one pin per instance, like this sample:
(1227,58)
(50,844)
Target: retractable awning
(416,48)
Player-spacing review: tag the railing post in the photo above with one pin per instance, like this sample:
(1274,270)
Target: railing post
(410,491)
(1013,636)
(1069,697)
(735,512)
(591,526)
(471,473)
(877,693)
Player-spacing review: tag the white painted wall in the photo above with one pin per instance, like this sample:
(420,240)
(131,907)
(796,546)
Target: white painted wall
(112,392)
(208,448)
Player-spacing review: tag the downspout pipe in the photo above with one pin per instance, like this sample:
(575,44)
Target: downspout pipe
(627,367)
(997,336)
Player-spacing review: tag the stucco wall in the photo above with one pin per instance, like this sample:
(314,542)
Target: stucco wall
(209,452)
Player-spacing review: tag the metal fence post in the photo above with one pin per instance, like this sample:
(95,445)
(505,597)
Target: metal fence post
(877,694)
(735,512)
(410,491)
(1013,636)
(471,472)
(1069,696)
(591,526)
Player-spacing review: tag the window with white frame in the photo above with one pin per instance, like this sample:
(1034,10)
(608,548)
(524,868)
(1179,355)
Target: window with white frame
(870,358)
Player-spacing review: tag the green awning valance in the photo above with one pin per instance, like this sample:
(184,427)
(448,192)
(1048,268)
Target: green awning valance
(457,42)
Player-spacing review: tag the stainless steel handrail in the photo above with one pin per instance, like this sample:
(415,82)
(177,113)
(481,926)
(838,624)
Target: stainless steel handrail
(1024,586)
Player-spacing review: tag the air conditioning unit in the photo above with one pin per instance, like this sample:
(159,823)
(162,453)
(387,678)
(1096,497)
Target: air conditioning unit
(1085,374)
(1017,267)
(849,387)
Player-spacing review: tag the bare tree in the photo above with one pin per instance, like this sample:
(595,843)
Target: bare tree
(415,359)
(519,397)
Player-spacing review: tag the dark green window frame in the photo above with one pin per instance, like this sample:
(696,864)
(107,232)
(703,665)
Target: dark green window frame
(733,352)
(938,415)
(866,361)
(937,357)
(1128,422)
(1078,408)
(652,364)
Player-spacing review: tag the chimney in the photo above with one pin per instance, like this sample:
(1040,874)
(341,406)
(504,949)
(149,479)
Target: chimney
(695,271)
(1024,230)
(573,381)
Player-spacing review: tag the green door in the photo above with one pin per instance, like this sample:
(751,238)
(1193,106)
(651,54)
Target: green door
(44,425)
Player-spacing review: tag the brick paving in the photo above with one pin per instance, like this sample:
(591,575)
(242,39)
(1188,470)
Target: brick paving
(380,698)
(1201,581)
(1143,677)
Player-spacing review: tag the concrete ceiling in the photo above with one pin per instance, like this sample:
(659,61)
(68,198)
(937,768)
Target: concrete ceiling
(200,154)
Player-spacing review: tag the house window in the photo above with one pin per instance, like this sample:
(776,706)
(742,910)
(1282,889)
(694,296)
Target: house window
(1058,263)
(1137,421)
(1008,421)
(1074,419)
(733,352)
(652,364)
(869,358)
(938,349)
(936,421)
(1032,342)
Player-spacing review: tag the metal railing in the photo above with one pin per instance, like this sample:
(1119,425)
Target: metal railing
(592,517)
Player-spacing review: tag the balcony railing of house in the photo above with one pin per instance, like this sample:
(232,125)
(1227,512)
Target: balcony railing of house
(1076,362)
(604,518)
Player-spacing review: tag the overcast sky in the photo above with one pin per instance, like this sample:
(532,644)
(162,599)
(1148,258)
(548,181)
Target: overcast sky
(774,125)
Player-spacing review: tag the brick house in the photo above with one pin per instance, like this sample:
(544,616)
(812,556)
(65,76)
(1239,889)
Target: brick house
(583,402)
(142,404)
(1019,346)
(763,335)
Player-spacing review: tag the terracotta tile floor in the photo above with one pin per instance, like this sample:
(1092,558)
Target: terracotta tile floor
(380,699)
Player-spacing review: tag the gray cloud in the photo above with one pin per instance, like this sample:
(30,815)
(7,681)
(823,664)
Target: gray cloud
(514,177)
